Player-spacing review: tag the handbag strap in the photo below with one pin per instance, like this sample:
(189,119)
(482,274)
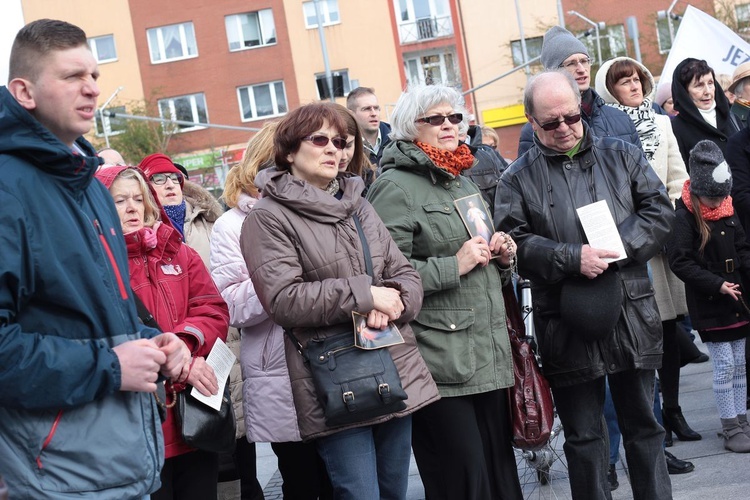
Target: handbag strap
(365,246)
(368,268)
(144,314)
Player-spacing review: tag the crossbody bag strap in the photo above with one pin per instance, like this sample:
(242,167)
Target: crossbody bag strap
(365,246)
(144,314)
(368,268)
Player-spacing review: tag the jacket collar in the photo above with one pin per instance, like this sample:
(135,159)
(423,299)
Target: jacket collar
(407,155)
(584,152)
(309,201)
(22,136)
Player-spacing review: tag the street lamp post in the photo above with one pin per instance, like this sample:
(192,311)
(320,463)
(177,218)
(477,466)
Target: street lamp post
(667,14)
(597,27)
(101,112)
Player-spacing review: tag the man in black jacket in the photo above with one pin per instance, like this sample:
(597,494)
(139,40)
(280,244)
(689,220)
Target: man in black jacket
(363,104)
(562,50)
(595,314)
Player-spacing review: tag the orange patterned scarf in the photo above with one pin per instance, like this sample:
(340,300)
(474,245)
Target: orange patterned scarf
(453,162)
(724,210)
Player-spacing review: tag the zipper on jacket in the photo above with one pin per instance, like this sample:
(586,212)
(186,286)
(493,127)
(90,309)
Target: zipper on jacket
(108,251)
(48,439)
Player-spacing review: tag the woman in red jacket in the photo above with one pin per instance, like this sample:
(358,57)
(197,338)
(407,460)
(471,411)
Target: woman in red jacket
(171,280)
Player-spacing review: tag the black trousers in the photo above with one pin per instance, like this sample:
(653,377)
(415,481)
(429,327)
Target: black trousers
(190,476)
(462,446)
(669,373)
(303,471)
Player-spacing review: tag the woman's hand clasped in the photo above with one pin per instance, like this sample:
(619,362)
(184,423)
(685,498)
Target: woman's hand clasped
(387,301)
(474,252)
(202,377)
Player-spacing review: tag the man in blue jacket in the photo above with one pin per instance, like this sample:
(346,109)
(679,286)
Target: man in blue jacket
(76,367)
(560,49)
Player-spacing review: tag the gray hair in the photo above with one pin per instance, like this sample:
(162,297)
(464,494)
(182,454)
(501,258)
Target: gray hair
(413,104)
(741,86)
(528,93)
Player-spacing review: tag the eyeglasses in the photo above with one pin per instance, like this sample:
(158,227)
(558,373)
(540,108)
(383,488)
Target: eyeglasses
(550,126)
(322,141)
(437,120)
(584,61)
(160,179)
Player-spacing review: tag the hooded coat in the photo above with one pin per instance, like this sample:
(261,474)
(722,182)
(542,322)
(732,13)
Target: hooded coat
(689,126)
(176,288)
(66,429)
(461,329)
(306,261)
(668,165)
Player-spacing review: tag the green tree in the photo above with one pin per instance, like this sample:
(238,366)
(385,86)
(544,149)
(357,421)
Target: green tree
(140,137)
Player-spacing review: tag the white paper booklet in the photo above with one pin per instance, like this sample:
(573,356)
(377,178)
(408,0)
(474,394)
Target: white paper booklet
(600,229)
(221,358)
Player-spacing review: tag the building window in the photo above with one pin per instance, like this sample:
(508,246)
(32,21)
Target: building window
(612,41)
(329,12)
(341,84)
(533,49)
(188,108)
(103,48)
(112,126)
(742,12)
(262,100)
(662,33)
(171,43)
(251,29)
(432,68)
(420,20)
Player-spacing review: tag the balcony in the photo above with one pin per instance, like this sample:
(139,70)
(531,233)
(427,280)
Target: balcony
(427,28)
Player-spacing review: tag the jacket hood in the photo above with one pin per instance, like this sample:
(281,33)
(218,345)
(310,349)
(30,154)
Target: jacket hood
(202,201)
(649,87)
(23,136)
(108,175)
(309,201)
(684,103)
(407,155)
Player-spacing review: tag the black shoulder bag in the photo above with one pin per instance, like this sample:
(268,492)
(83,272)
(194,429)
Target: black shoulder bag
(352,384)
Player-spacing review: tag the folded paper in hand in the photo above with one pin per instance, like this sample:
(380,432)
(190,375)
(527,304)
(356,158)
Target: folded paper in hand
(600,229)
(221,359)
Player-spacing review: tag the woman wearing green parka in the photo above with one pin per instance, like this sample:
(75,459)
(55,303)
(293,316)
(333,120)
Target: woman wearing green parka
(462,442)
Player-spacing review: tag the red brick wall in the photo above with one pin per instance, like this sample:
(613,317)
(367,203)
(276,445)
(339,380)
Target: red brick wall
(616,12)
(216,71)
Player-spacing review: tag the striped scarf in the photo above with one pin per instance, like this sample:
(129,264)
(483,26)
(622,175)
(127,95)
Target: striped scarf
(643,118)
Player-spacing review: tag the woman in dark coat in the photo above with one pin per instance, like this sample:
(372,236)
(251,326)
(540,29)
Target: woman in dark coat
(702,106)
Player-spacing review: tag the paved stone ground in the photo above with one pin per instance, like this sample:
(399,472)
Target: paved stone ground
(718,474)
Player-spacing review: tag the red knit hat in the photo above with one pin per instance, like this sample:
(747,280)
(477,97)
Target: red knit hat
(158,163)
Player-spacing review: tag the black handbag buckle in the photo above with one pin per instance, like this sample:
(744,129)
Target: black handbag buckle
(729,265)
(348,397)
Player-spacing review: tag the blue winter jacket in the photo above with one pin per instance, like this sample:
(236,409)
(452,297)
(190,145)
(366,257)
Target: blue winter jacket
(66,430)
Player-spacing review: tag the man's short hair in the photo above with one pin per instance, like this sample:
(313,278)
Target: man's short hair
(351,99)
(36,40)
(528,93)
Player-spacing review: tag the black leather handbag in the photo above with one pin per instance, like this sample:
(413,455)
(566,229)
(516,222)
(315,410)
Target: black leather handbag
(352,384)
(203,427)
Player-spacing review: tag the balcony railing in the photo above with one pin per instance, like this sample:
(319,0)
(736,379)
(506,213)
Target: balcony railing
(426,28)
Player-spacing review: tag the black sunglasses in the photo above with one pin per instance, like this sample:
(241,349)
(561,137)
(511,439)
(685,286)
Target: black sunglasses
(160,179)
(550,126)
(322,141)
(437,120)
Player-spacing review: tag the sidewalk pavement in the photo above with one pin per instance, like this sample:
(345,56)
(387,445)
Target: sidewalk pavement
(718,473)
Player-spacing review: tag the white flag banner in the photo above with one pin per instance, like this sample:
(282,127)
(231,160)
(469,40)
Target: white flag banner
(703,37)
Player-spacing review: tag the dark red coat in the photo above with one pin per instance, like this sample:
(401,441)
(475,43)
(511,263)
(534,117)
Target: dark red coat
(175,286)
